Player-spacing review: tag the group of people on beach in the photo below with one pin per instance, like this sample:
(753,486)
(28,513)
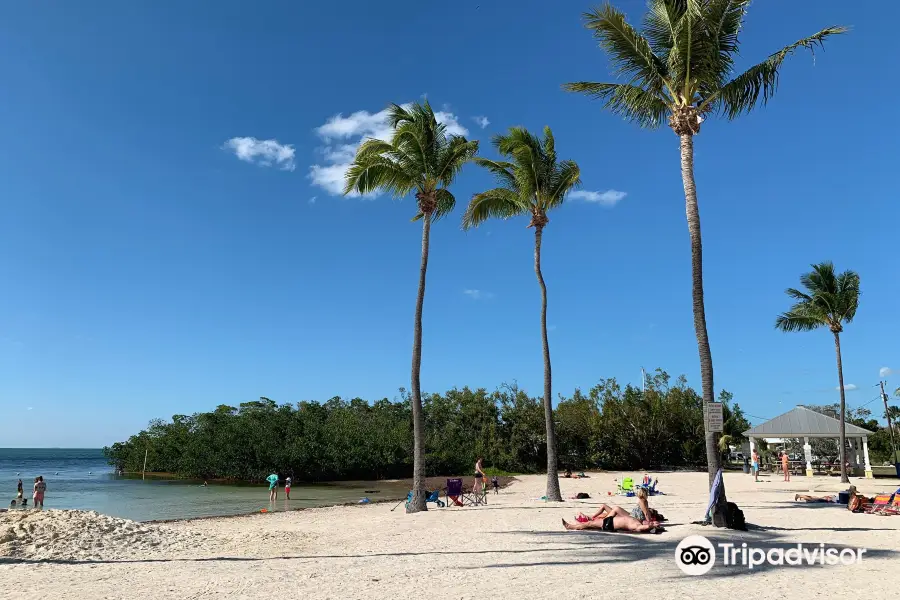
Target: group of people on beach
(785,465)
(641,519)
(273,487)
(40,487)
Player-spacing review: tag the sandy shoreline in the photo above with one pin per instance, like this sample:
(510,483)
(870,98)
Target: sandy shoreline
(513,547)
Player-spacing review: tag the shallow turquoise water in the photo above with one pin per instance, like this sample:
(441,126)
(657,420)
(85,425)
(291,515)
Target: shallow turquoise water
(81,479)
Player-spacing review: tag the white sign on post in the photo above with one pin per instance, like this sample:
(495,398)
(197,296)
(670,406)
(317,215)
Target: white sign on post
(712,416)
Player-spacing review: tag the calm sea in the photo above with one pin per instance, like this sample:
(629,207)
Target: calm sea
(80,478)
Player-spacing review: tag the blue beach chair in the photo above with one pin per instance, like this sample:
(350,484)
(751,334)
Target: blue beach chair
(434,496)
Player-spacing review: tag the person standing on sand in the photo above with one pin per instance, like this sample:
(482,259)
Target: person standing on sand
(39,488)
(479,479)
(755,465)
(786,466)
(273,487)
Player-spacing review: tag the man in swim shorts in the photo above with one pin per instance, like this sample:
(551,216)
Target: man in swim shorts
(616,522)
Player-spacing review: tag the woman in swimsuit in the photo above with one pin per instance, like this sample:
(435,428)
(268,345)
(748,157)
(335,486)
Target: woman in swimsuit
(39,488)
(479,478)
(642,512)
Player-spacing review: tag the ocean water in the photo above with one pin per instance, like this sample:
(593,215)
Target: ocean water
(81,479)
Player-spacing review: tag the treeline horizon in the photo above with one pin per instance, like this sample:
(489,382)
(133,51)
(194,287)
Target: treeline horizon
(609,426)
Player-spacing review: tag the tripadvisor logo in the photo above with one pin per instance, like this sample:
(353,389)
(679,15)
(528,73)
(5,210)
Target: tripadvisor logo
(696,555)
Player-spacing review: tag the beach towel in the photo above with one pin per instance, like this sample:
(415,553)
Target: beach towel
(714,493)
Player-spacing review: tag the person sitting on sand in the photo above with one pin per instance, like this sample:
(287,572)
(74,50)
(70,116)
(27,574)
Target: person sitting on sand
(615,522)
(857,502)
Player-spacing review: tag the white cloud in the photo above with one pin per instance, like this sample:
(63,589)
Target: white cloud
(848,387)
(607,198)
(885,372)
(312,200)
(478,294)
(341,136)
(30,408)
(262,152)
(482,121)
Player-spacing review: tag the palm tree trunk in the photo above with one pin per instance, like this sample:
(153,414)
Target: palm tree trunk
(706,367)
(837,349)
(419,495)
(553,493)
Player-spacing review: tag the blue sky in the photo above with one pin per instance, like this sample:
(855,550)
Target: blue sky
(148,270)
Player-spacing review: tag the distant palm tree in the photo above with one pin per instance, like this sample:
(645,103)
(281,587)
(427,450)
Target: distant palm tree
(532,182)
(679,69)
(830,301)
(420,157)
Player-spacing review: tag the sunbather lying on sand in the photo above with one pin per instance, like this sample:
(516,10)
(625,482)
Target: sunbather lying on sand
(615,522)
(807,498)
(642,512)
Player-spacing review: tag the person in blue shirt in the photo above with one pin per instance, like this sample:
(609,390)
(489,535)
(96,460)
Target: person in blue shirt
(273,486)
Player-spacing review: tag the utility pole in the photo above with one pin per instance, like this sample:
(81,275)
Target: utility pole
(887,414)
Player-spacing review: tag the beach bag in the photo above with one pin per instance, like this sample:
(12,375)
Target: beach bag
(734,517)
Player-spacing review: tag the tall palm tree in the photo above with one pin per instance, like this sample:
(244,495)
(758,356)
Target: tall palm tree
(420,158)
(679,69)
(830,301)
(532,182)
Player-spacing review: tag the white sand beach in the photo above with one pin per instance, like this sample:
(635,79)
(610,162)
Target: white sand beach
(515,547)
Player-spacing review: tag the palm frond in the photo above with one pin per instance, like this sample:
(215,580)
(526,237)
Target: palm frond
(498,203)
(660,27)
(566,177)
(629,52)
(446,202)
(741,94)
(631,102)
(378,172)
(722,22)
(848,295)
(452,157)
(798,295)
(502,171)
(798,321)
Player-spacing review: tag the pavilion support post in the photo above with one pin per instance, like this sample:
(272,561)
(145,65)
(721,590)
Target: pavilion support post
(866,456)
(807,454)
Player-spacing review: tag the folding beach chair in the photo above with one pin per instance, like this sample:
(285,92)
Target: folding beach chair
(474,499)
(454,492)
(626,487)
(885,504)
(434,496)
